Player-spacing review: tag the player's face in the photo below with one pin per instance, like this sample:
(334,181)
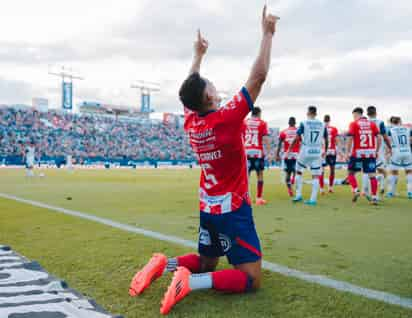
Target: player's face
(212,94)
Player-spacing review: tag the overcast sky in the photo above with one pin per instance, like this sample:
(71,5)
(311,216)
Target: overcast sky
(331,53)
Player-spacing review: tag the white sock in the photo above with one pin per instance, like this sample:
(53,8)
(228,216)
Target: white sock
(381,181)
(200,281)
(299,185)
(315,189)
(365,183)
(393,181)
(409,181)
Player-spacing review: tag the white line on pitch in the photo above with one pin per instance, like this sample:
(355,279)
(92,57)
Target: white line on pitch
(317,279)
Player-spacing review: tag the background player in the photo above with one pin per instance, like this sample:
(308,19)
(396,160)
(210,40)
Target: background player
(330,155)
(286,138)
(226,222)
(310,132)
(365,146)
(401,141)
(257,145)
(29,158)
(380,160)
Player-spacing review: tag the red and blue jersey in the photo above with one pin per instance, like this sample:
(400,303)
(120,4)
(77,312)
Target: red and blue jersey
(216,139)
(287,136)
(364,134)
(332,137)
(255,130)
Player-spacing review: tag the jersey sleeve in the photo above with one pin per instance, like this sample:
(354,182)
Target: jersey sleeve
(237,108)
(264,129)
(352,129)
(300,130)
(375,130)
(282,136)
(382,128)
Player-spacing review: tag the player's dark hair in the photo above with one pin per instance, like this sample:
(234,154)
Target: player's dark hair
(191,92)
(292,121)
(371,110)
(312,110)
(256,111)
(326,119)
(396,120)
(358,110)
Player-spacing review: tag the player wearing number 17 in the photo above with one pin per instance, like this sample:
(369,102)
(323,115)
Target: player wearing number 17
(313,134)
(226,222)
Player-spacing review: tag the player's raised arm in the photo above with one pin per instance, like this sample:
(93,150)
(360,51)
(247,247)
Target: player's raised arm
(200,48)
(261,66)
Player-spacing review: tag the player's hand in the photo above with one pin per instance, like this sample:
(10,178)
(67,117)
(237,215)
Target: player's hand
(323,155)
(269,22)
(201,45)
(277,158)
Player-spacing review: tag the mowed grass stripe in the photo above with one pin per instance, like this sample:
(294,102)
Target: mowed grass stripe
(318,279)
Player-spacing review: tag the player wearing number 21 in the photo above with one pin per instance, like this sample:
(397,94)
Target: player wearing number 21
(364,146)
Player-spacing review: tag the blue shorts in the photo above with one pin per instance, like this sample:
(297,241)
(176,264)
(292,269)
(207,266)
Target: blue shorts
(257,164)
(330,160)
(289,165)
(232,234)
(367,165)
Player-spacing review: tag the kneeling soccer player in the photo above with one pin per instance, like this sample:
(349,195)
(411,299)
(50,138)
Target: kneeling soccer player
(226,222)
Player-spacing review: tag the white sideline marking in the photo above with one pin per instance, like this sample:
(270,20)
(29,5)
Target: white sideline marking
(317,279)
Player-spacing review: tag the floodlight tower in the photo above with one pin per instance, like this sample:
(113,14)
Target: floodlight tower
(67,76)
(146,89)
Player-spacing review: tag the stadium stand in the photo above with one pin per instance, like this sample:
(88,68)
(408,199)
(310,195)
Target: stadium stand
(90,138)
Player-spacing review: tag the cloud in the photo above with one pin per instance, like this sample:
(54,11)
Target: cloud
(15,91)
(330,53)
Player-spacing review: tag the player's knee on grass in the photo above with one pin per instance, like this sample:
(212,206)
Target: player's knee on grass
(254,272)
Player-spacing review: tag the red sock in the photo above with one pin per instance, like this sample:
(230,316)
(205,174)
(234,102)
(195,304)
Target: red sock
(259,189)
(190,261)
(374,185)
(231,281)
(292,179)
(331,180)
(353,182)
(322,181)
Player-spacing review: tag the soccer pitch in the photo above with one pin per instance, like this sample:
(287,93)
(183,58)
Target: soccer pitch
(359,244)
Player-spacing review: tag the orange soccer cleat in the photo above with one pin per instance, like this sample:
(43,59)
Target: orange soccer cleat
(260,201)
(179,288)
(150,272)
(290,192)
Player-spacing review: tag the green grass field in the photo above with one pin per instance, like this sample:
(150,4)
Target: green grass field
(364,245)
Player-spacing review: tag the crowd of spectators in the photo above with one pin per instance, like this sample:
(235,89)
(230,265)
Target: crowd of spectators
(90,136)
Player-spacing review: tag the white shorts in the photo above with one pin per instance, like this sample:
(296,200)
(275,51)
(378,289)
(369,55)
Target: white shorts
(400,161)
(29,163)
(314,163)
